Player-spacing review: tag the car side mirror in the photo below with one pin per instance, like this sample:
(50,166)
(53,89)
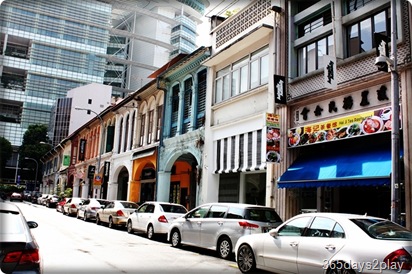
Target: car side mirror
(274,233)
(32,224)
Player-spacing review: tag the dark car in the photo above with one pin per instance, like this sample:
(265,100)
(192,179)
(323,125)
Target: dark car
(34,196)
(19,249)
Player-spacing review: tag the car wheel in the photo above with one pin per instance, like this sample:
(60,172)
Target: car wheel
(150,232)
(129,227)
(111,225)
(98,220)
(85,217)
(246,259)
(340,268)
(224,247)
(175,239)
(77,215)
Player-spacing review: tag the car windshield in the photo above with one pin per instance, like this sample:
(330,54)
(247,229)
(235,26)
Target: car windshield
(173,208)
(383,229)
(262,215)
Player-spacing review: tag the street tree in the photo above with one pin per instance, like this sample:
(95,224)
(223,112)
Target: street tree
(6,151)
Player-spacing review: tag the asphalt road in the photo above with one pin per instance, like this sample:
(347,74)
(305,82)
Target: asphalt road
(70,245)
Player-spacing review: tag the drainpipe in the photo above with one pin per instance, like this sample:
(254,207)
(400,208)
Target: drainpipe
(158,86)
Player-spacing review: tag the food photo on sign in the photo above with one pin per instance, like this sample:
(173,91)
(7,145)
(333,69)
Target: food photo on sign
(272,138)
(364,123)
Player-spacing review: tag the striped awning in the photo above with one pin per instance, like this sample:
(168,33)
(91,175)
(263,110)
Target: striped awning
(240,153)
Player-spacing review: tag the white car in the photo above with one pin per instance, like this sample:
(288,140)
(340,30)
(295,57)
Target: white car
(328,243)
(154,218)
(218,226)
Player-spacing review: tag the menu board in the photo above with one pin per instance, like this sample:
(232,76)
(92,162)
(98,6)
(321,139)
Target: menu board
(364,123)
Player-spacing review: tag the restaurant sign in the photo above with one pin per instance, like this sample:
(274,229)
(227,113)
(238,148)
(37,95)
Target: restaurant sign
(272,138)
(364,123)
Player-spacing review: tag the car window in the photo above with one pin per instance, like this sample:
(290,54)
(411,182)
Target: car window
(11,223)
(321,227)
(199,212)
(383,229)
(235,213)
(295,227)
(216,211)
(338,232)
(150,209)
(262,215)
(173,208)
(142,208)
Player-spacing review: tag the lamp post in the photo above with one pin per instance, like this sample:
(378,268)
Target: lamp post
(395,120)
(37,168)
(100,148)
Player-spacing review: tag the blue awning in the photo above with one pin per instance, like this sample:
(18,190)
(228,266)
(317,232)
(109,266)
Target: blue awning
(365,168)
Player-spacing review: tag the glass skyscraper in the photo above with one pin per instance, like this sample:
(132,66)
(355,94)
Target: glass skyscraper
(48,47)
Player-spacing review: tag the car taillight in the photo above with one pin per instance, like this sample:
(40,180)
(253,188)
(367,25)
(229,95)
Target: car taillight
(119,213)
(23,257)
(399,259)
(246,224)
(95,208)
(73,206)
(162,219)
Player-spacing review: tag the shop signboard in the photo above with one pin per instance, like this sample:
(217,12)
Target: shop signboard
(97,179)
(360,124)
(272,138)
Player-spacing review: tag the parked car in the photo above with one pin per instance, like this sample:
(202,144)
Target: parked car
(115,213)
(15,196)
(218,226)
(328,243)
(35,196)
(41,198)
(60,204)
(88,209)
(154,218)
(19,250)
(52,200)
(71,206)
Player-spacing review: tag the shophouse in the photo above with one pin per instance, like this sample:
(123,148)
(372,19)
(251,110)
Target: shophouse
(55,163)
(181,146)
(340,108)
(137,135)
(333,116)
(240,102)
(90,147)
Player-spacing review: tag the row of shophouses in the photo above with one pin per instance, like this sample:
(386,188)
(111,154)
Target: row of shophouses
(286,108)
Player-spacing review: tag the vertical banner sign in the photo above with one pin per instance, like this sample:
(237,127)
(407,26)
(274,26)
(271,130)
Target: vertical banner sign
(66,160)
(330,72)
(82,149)
(280,89)
(272,138)
(90,172)
(106,171)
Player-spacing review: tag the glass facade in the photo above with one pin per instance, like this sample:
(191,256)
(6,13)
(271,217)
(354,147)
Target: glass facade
(48,48)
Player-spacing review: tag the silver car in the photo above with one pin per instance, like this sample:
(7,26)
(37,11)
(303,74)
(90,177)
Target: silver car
(329,243)
(115,213)
(218,226)
(88,209)
(154,218)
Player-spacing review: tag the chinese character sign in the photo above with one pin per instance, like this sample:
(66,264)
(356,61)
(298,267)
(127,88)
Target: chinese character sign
(272,138)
